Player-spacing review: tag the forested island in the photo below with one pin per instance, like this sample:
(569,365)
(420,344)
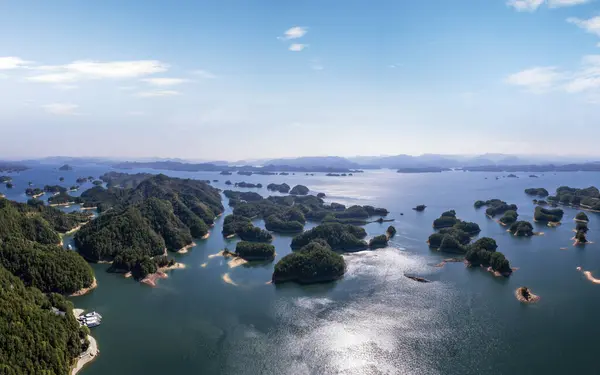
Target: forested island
(210,167)
(549,216)
(521,229)
(7,167)
(160,213)
(495,207)
(34,192)
(251,251)
(299,190)
(540,192)
(456,238)
(314,262)
(342,237)
(242,226)
(282,188)
(65,167)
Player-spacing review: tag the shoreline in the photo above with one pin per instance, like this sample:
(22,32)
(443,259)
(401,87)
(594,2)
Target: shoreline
(89,355)
(88,208)
(532,297)
(184,249)
(75,229)
(152,278)
(83,291)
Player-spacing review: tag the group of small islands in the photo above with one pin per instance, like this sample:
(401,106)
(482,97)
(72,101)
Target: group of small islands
(142,217)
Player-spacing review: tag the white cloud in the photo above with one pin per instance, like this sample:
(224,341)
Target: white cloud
(85,70)
(127,88)
(12,62)
(204,74)
(61,108)
(294,33)
(538,79)
(533,5)
(525,5)
(157,93)
(565,3)
(165,81)
(591,25)
(587,78)
(297,47)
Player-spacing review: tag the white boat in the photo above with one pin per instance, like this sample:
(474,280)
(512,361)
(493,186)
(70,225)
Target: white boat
(93,314)
(69,247)
(92,322)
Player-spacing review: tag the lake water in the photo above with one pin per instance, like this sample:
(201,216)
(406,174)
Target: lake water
(374,320)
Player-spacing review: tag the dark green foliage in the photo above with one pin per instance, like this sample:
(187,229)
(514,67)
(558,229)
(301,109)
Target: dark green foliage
(291,220)
(49,268)
(378,242)
(282,188)
(582,216)
(587,198)
(313,263)
(61,179)
(117,231)
(63,198)
(485,243)
(548,215)
(450,244)
(255,251)
(479,204)
(376,211)
(581,227)
(54,189)
(391,231)
(9,185)
(488,256)
(251,233)
(521,229)
(248,196)
(299,190)
(338,236)
(460,235)
(420,208)
(33,191)
(233,224)
(123,180)
(65,167)
(435,240)
(540,192)
(15,222)
(468,227)
(580,237)
(33,339)
(509,217)
(143,268)
(74,188)
(320,195)
(353,212)
(159,214)
(497,207)
(450,213)
(97,182)
(5,179)
(445,222)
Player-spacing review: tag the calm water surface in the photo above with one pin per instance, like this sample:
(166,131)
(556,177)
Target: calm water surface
(374,320)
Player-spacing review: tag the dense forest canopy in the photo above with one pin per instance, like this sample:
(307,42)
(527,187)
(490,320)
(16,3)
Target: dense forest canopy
(34,339)
(344,237)
(312,263)
(540,192)
(548,215)
(160,212)
(588,198)
(255,250)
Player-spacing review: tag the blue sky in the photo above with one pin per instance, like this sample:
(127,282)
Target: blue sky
(251,79)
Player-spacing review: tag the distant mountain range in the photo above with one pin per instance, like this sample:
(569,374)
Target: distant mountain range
(336,164)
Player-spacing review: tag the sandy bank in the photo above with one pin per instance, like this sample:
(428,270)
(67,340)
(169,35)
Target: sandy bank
(236,262)
(227,279)
(87,208)
(67,204)
(89,355)
(83,291)
(590,277)
(205,236)
(152,278)
(186,248)
(521,298)
(230,236)
(37,195)
(203,265)
(449,260)
(86,357)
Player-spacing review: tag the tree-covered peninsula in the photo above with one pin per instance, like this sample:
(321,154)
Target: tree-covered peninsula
(581,216)
(34,338)
(242,226)
(315,262)
(161,212)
